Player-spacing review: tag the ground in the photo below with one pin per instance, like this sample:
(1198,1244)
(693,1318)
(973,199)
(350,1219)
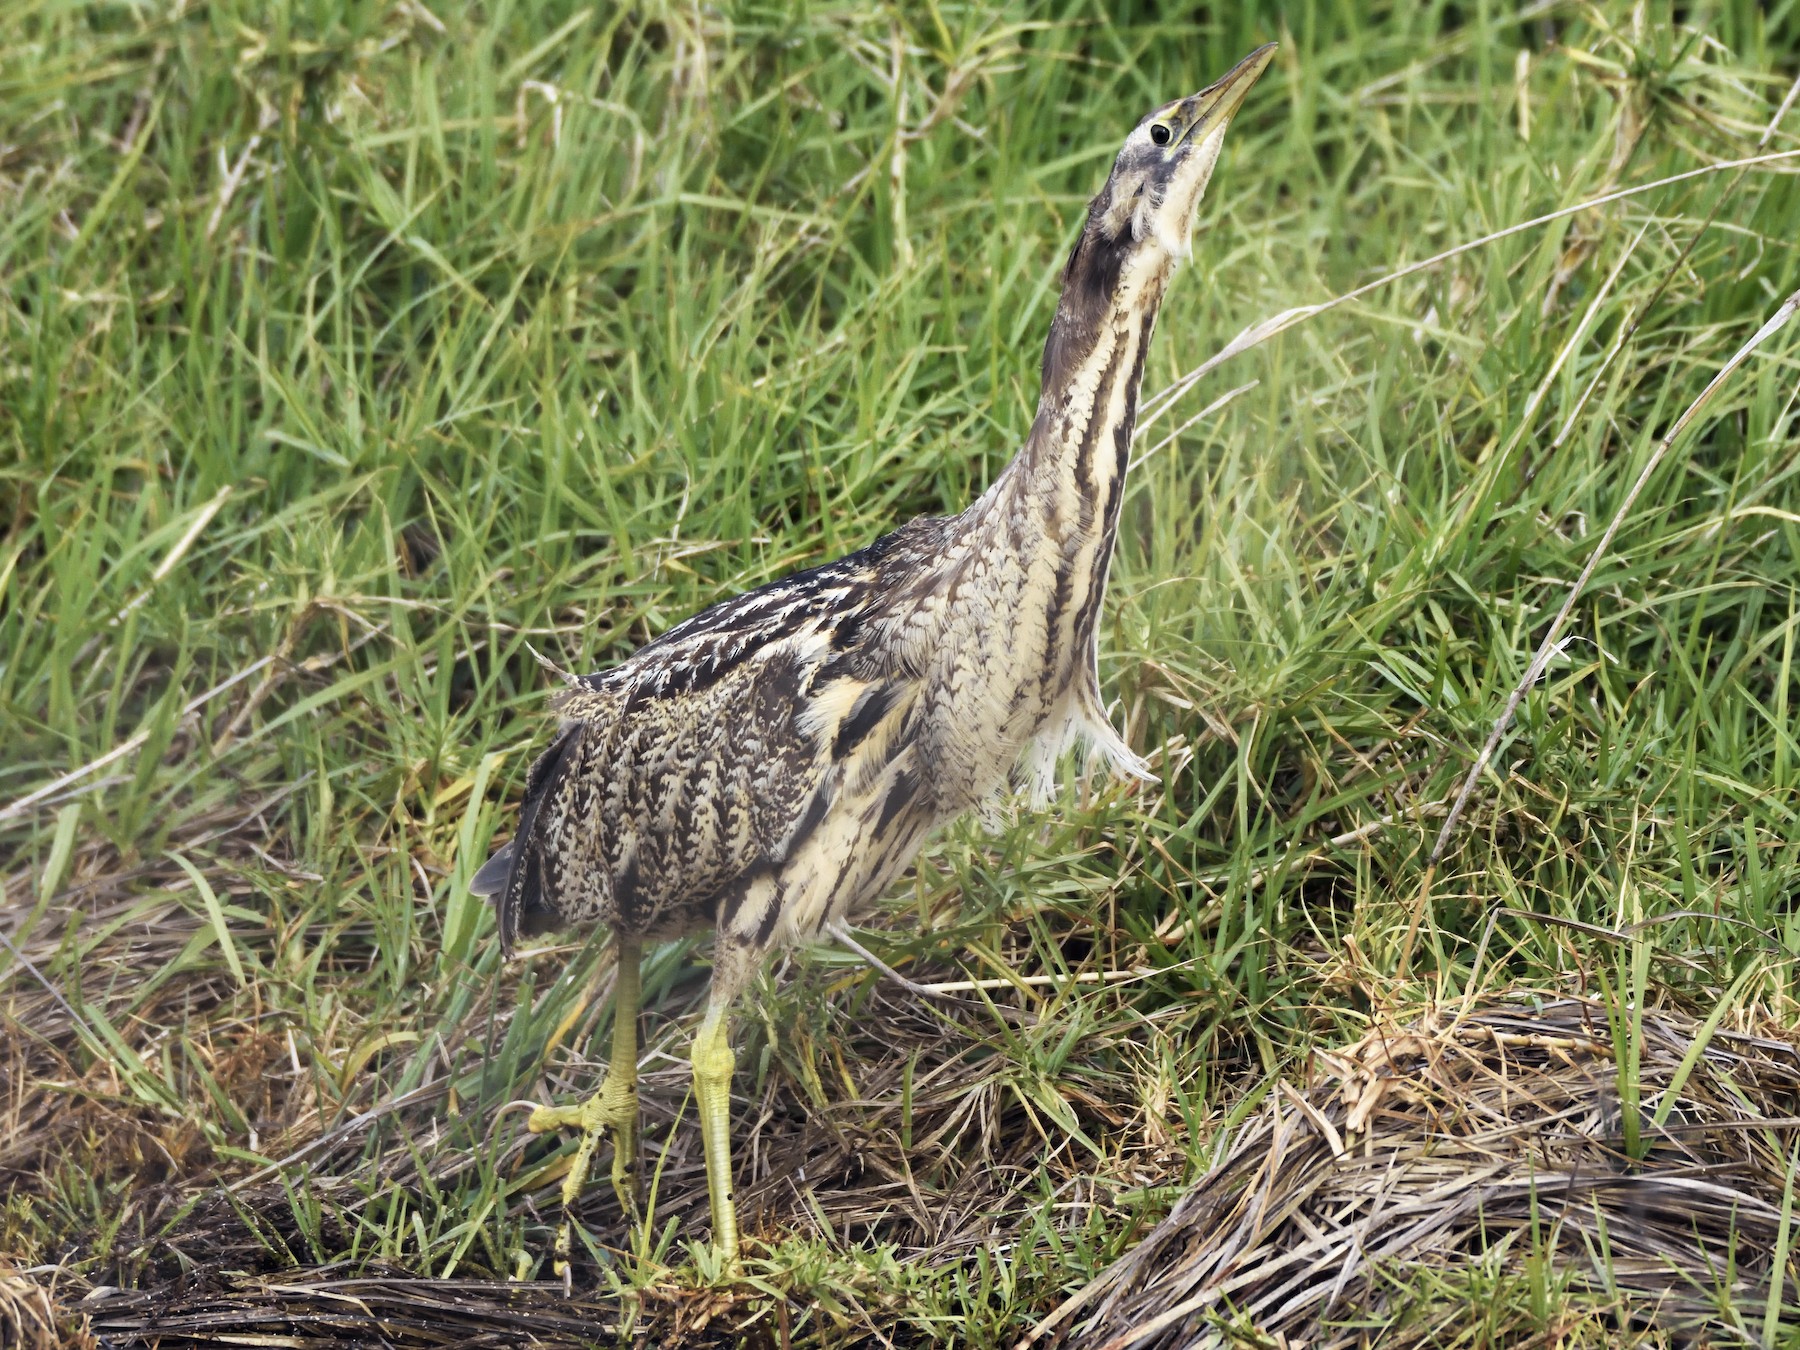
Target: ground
(348,351)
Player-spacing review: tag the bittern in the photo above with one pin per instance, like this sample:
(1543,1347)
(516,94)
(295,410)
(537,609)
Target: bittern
(772,763)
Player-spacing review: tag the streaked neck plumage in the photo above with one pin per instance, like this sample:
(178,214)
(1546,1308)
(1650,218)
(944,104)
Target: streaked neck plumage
(1066,485)
(1075,458)
(1070,474)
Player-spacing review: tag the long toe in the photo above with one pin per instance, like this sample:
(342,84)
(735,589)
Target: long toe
(549,1119)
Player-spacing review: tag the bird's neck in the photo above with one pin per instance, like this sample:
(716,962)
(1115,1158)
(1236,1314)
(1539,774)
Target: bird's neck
(1069,477)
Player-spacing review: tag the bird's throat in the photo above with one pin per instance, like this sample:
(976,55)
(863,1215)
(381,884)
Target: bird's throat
(1071,471)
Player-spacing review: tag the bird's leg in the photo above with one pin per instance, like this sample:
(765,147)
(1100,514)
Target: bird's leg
(614,1107)
(713,1064)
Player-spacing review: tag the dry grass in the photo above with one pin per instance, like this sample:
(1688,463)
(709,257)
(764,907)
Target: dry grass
(33,1317)
(917,1131)
(1630,1180)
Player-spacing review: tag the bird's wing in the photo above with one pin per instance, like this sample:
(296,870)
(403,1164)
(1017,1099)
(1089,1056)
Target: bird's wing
(710,753)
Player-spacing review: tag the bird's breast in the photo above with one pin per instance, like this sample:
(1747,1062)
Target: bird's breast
(1008,653)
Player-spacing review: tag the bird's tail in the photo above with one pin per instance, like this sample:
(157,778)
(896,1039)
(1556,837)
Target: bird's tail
(520,878)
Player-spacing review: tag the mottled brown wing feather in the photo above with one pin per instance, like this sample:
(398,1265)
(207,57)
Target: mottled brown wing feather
(700,759)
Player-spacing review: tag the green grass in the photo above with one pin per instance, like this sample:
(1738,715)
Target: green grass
(346,349)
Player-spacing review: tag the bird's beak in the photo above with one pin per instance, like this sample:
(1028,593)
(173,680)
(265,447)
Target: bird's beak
(1214,106)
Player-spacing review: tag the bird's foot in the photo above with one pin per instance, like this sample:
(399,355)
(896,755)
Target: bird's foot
(614,1109)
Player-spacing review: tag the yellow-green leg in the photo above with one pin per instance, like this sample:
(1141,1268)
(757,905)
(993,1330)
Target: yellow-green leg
(734,960)
(713,1063)
(614,1107)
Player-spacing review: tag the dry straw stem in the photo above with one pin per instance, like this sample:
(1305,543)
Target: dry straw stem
(1431,1161)
(125,747)
(1549,646)
(1628,330)
(1545,652)
(1258,333)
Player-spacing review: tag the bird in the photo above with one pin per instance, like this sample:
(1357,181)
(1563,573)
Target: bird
(768,766)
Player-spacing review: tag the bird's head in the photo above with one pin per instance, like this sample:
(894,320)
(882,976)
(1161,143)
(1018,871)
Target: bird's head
(1147,206)
(1141,223)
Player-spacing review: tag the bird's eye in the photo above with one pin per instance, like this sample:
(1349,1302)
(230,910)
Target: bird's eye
(1159,133)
